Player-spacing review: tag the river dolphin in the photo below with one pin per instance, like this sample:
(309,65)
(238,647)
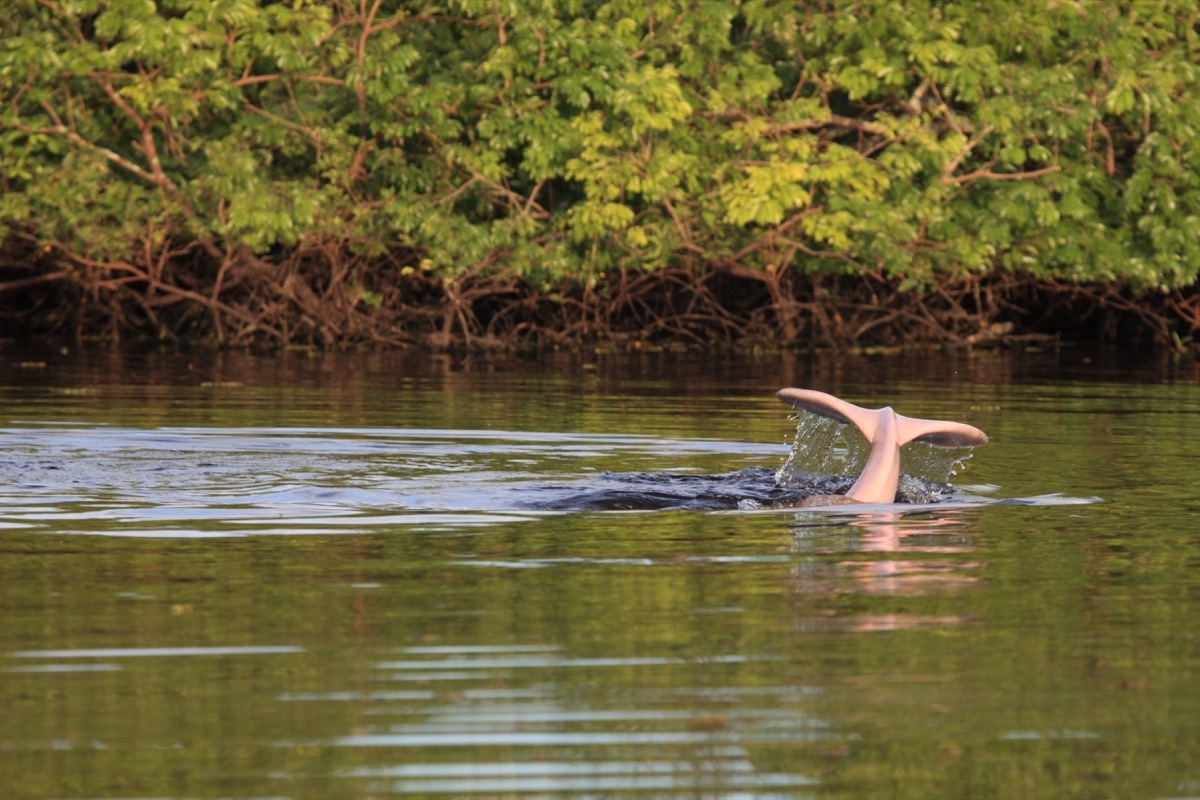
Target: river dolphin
(887,432)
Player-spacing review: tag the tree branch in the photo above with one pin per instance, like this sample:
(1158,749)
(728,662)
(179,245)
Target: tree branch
(1001,176)
(972,143)
(33,280)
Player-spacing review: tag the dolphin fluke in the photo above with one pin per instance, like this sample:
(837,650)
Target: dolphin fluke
(887,432)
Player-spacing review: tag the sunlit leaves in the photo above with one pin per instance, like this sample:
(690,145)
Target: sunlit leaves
(766,194)
(915,139)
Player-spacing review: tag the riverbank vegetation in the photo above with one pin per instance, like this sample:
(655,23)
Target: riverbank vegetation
(516,172)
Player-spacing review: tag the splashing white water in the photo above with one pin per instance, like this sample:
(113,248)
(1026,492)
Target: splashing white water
(822,448)
(827,454)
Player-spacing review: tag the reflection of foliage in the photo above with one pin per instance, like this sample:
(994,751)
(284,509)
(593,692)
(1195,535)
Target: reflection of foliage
(231,158)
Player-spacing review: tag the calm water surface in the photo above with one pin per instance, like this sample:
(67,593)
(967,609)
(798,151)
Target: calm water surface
(368,576)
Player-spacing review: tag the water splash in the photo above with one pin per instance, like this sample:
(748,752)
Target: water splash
(932,463)
(822,448)
(827,456)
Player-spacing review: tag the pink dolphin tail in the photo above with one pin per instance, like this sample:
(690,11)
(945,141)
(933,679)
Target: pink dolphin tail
(887,432)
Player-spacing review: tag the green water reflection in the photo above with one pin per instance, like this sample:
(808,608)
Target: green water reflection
(996,650)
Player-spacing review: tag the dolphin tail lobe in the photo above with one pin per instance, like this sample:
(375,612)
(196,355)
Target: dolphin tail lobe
(834,408)
(940,433)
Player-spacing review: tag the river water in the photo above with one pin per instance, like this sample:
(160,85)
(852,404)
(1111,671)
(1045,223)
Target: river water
(378,575)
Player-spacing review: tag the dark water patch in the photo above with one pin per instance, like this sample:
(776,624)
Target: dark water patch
(753,487)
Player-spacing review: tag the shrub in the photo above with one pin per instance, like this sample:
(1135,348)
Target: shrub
(231,157)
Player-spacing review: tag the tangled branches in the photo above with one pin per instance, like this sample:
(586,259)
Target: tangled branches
(322,297)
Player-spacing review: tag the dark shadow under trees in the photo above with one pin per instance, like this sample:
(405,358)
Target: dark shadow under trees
(326,299)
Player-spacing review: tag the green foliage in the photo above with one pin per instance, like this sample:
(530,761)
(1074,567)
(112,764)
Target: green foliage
(557,139)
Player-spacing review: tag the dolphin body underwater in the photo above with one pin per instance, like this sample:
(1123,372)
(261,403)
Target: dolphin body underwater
(887,432)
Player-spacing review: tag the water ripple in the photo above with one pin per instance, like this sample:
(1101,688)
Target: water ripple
(540,737)
(192,482)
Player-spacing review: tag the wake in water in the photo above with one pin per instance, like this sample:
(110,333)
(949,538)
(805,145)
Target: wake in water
(825,459)
(750,488)
(206,482)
